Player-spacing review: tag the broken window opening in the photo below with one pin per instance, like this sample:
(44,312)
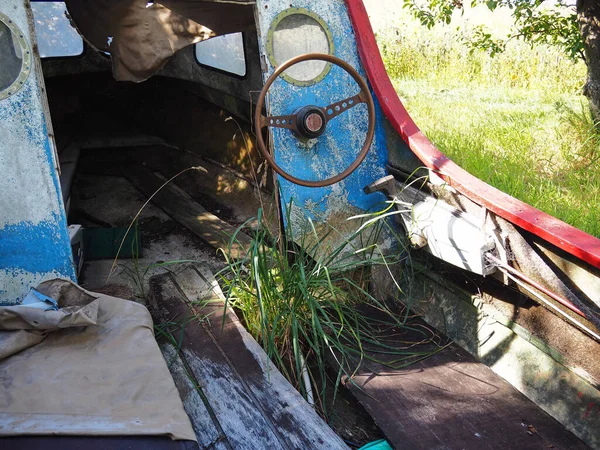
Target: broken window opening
(56,36)
(225,53)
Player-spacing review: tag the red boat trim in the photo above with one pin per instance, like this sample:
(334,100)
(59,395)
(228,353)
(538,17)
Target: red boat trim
(566,237)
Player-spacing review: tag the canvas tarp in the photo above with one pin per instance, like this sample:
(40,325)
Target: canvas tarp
(91,368)
(142,35)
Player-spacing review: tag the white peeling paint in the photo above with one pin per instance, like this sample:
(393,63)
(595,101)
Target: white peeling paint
(13,280)
(27,190)
(34,243)
(338,147)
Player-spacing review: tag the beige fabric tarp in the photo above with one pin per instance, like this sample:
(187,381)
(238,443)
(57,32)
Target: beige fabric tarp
(91,368)
(142,35)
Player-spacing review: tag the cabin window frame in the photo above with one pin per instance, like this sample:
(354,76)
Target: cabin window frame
(222,71)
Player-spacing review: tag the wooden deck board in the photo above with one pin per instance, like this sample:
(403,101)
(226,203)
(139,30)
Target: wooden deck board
(450,401)
(205,427)
(243,424)
(185,210)
(253,404)
(278,399)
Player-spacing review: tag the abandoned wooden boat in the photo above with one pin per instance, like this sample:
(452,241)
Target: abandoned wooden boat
(106,106)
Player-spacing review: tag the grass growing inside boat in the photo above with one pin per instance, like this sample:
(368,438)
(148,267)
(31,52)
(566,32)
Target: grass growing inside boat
(518,120)
(305,304)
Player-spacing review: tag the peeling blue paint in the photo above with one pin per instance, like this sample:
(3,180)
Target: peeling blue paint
(36,248)
(34,239)
(338,147)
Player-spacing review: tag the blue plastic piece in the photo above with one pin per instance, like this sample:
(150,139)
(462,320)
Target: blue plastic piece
(381,444)
(36,299)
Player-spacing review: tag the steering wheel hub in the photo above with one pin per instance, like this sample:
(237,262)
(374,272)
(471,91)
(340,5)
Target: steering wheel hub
(310,122)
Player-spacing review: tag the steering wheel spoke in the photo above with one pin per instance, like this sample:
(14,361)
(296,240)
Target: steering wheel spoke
(337,108)
(278,122)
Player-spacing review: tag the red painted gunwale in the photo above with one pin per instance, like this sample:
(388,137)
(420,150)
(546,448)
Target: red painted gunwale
(564,236)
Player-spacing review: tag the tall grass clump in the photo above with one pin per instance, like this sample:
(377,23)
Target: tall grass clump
(306,305)
(517,121)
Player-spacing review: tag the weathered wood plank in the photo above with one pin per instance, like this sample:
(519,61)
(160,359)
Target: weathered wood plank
(243,423)
(240,419)
(207,432)
(181,207)
(295,423)
(300,426)
(451,401)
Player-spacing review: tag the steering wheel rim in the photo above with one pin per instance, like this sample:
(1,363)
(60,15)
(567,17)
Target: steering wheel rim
(364,96)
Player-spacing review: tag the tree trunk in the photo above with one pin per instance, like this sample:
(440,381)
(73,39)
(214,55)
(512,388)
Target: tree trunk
(588,17)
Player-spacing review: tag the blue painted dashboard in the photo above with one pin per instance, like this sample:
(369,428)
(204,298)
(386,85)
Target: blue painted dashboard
(335,150)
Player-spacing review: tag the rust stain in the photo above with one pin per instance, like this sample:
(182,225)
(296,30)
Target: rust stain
(588,410)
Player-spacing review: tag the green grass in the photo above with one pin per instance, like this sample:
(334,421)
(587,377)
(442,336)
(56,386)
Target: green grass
(305,305)
(517,121)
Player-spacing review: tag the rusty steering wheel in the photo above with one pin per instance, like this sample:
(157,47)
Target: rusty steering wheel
(310,121)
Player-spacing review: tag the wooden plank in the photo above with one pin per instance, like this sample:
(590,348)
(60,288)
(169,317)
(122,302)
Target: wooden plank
(284,406)
(451,401)
(182,208)
(240,419)
(207,431)
(295,423)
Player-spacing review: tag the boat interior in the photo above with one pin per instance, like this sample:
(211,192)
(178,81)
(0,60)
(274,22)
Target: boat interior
(151,110)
